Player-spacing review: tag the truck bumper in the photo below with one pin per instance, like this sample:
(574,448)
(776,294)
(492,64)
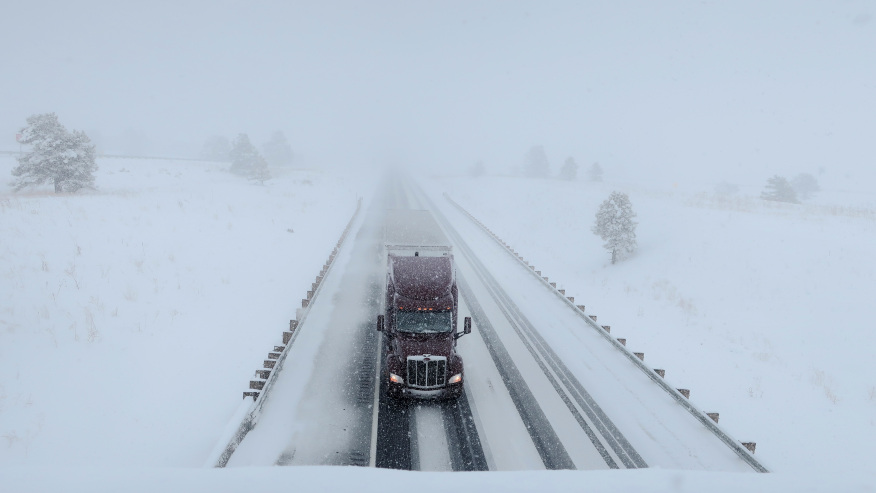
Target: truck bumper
(448,392)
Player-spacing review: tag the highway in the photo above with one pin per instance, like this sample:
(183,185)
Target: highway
(545,387)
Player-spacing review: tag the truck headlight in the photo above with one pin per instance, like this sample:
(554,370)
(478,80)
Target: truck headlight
(395,378)
(455,378)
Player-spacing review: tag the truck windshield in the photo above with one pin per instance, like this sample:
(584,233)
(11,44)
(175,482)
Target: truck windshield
(424,322)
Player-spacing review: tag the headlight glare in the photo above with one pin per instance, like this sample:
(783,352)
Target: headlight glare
(455,378)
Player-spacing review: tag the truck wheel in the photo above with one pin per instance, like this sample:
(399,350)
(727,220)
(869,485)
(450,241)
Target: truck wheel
(389,391)
(392,393)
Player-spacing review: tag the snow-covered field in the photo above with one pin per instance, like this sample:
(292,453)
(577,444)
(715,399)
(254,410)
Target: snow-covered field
(131,318)
(760,308)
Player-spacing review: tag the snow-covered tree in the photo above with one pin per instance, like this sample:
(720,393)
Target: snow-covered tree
(243,155)
(615,225)
(535,164)
(216,148)
(725,188)
(805,185)
(595,172)
(477,169)
(569,170)
(64,158)
(779,189)
(277,151)
(260,171)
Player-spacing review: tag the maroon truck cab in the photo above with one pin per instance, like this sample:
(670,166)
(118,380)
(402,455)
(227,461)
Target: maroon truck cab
(420,322)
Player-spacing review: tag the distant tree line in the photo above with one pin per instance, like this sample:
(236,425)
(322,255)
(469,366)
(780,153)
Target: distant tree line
(276,151)
(66,159)
(536,165)
(245,158)
(615,219)
(802,187)
(779,189)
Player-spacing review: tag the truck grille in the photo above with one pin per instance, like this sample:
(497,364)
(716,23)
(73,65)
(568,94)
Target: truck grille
(427,371)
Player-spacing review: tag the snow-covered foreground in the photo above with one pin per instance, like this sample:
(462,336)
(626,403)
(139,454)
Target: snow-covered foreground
(132,318)
(307,479)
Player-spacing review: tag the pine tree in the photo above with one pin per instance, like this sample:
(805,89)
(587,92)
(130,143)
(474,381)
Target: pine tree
(260,171)
(243,156)
(595,172)
(64,158)
(805,185)
(536,164)
(778,189)
(277,151)
(569,170)
(477,169)
(614,223)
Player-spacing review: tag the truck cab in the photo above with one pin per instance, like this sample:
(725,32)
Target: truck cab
(419,322)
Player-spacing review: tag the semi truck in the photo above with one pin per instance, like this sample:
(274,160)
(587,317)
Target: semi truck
(419,323)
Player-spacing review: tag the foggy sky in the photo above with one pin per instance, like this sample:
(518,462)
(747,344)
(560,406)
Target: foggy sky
(721,90)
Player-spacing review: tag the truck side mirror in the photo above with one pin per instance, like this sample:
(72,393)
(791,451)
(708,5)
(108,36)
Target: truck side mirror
(380,323)
(466,327)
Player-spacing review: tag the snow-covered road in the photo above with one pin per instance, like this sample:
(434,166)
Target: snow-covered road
(544,389)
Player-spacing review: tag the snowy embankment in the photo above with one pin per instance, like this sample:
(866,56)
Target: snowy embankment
(760,308)
(132,318)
